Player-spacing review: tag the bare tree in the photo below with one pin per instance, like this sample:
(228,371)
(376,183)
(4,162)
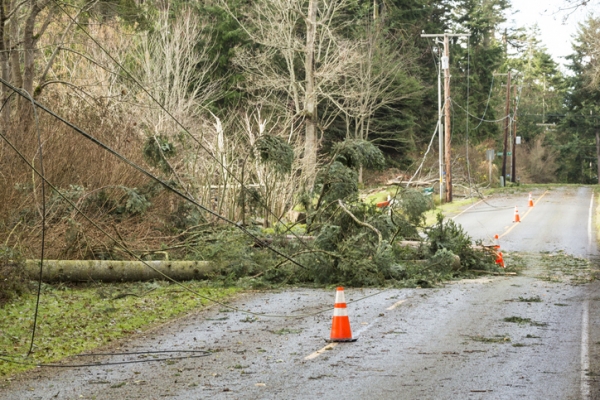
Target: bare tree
(22,25)
(175,69)
(377,76)
(298,52)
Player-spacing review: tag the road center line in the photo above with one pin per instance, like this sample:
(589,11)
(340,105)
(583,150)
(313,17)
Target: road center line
(319,352)
(466,209)
(396,304)
(522,218)
(356,333)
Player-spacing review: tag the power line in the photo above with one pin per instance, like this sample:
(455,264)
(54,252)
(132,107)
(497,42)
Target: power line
(446,68)
(187,132)
(168,187)
(148,174)
(481,120)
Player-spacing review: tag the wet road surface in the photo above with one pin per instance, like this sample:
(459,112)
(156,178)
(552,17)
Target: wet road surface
(561,219)
(460,341)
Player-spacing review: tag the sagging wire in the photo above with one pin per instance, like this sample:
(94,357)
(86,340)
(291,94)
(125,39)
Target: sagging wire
(42,246)
(124,248)
(424,156)
(480,119)
(437,126)
(152,176)
(467,116)
(193,354)
(162,107)
(183,286)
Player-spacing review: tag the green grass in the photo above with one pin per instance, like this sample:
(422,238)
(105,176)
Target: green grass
(494,339)
(448,209)
(534,299)
(75,319)
(520,320)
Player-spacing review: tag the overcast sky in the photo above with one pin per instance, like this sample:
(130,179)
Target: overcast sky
(557,26)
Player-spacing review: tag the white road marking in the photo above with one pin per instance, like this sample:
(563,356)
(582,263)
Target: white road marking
(585,360)
(590,222)
(396,304)
(319,352)
(585,357)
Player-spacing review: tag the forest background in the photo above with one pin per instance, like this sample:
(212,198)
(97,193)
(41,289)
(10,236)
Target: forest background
(226,119)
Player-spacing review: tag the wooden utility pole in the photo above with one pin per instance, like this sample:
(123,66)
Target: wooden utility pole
(598,151)
(513,172)
(448,160)
(506,127)
(446,67)
(310,101)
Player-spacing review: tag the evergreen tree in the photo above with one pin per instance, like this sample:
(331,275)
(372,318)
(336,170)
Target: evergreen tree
(577,138)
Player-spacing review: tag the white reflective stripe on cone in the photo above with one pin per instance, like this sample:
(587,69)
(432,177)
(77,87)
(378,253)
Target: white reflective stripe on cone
(340,312)
(339,297)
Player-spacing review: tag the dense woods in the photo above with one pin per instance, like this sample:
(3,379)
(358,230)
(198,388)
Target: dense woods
(260,111)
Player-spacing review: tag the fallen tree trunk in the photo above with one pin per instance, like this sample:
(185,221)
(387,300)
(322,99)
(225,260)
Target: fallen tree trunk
(116,271)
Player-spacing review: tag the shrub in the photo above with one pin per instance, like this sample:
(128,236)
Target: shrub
(12,277)
(448,236)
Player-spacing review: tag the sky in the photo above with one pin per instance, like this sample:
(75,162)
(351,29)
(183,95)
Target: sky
(557,24)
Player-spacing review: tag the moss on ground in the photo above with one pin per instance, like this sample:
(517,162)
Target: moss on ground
(75,319)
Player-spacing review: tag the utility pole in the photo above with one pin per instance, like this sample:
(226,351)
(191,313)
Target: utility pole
(447,120)
(597,145)
(440,134)
(513,173)
(506,127)
(447,154)
(597,149)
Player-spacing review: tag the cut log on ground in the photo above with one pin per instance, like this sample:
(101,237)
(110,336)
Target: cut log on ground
(400,182)
(116,271)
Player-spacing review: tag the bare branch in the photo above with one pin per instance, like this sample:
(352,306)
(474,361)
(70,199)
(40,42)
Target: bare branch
(361,223)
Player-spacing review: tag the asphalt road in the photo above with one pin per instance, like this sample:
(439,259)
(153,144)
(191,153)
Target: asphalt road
(561,219)
(451,342)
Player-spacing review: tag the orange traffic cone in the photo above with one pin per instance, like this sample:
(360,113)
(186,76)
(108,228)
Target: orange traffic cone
(500,259)
(530,201)
(517,218)
(496,242)
(340,326)
(383,204)
(386,203)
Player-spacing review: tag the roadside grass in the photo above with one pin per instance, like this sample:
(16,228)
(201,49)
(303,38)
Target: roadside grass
(525,188)
(448,209)
(77,318)
(597,212)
